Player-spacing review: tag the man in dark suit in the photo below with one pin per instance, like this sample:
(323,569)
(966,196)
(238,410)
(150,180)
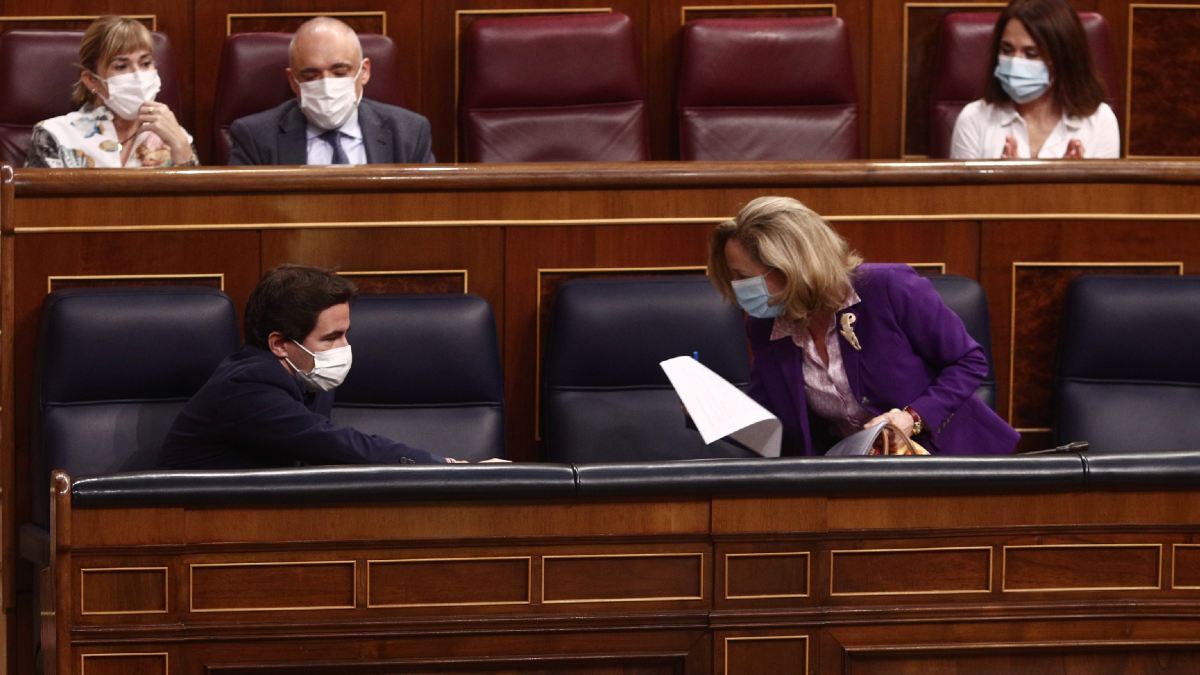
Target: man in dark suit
(329,122)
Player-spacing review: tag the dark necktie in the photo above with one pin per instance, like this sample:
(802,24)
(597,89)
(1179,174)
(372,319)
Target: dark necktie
(331,137)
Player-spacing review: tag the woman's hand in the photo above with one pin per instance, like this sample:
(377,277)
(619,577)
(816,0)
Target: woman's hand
(897,418)
(1074,149)
(157,117)
(1010,148)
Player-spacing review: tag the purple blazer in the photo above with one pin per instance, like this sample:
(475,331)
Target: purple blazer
(915,351)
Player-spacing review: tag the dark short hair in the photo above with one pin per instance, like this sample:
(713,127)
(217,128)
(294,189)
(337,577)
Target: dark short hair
(1059,36)
(288,300)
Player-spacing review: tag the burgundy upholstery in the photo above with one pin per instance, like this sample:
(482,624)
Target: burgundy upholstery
(251,78)
(38,69)
(962,58)
(780,89)
(553,88)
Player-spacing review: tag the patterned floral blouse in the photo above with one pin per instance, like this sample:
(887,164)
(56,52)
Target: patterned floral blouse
(87,139)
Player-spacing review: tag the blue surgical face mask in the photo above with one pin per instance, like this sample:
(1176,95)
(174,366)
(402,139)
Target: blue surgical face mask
(754,298)
(1022,79)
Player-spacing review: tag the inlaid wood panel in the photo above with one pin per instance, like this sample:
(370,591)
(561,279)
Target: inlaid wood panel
(1185,566)
(1163,56)
(408,281)
(767,575)
(129,590)
(263,586)
(762,654)
(124,664)
(1082,567)
(641,577)
(1090,659)
(916,571)
(449,582)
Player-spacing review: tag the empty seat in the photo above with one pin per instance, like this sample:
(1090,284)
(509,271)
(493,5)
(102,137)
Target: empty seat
(1129,370)
(605,398)
(553,88)
(38,68)
(961,61)
(966,298)
(251,78)
(426,373)
(770,89)
(114,366)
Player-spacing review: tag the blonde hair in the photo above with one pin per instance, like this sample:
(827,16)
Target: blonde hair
(106,38)
(816,262)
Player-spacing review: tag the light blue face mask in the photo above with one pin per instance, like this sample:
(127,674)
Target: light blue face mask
(1022,79)
(754,298)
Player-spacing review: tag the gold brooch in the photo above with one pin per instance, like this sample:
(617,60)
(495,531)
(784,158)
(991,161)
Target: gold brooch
(847,331)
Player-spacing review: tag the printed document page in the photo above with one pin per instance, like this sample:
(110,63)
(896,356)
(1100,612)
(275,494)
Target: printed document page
(720,409)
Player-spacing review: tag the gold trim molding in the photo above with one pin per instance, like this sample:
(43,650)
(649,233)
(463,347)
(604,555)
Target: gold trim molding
(771,554)
(289,563)
(1158,548)
(760,638)
(683,11)
(165,587)
(1174,555)
(153,18)
(617,556)
(219,276)
(409,273)
(230,16)
(400,561)
(835,552)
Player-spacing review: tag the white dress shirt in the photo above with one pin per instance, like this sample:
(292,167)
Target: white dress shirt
(981,128)
(351,140)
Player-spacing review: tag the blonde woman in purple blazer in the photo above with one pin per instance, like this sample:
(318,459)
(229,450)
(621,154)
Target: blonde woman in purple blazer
(839,344)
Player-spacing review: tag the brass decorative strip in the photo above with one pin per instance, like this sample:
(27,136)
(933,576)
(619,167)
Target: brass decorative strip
(1012,308)
(219,276)
(904,61)
(399,561)
(935,549)
(1004,567)
(761,638)
(460,13)
(769,554)
(229,17)
(408,273)
(558,222)
(194,566)
(83,572)
(537,318)
(616,556)
(84,657)
(683,11)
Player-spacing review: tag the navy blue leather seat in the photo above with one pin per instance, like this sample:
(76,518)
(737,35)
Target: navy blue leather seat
(1129,367)
(966,298)
(114,367)
(605,398)
(427,373)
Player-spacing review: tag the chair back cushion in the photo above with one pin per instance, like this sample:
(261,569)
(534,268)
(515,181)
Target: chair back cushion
(38,69)
(553,88)
(1129,369)
(962,58)
(770,89)
(965,297)
(113,368)
(427,373)
(605,397)
(252,78)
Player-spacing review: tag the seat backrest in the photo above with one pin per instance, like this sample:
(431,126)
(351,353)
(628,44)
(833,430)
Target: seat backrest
(251,78)
(1129,370)
(772,89)
(427,373)
(605,398)
(113,368)
(38,68)
(965,297)
(962,57)
(553,88)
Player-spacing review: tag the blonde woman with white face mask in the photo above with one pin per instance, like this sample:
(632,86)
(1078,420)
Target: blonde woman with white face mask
(119,122)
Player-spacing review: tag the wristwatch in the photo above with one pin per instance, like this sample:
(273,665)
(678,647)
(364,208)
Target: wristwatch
(918,425)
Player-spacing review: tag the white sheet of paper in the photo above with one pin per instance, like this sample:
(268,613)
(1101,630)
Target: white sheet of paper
(720,409)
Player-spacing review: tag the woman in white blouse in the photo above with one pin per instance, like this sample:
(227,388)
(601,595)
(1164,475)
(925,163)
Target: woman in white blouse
(118,123)
(1043,98)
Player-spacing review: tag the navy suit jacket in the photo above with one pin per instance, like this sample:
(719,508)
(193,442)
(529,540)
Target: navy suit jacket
(252,413)
(391,135)
(915,351)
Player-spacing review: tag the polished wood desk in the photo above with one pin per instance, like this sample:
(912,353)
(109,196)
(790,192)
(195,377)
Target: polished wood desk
(512,233)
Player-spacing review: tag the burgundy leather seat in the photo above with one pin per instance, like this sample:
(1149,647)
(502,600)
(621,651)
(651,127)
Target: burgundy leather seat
(779,89)
(38,68)
(553,88)
(251,78)
(962,57)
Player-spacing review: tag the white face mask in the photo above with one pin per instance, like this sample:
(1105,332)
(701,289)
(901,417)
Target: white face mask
(328,102)
(330,368)
(128,91)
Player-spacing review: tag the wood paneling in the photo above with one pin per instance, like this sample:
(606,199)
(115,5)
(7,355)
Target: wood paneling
(418,582)
(873,573)
(268,585)
(1163,55)
(1082,567)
